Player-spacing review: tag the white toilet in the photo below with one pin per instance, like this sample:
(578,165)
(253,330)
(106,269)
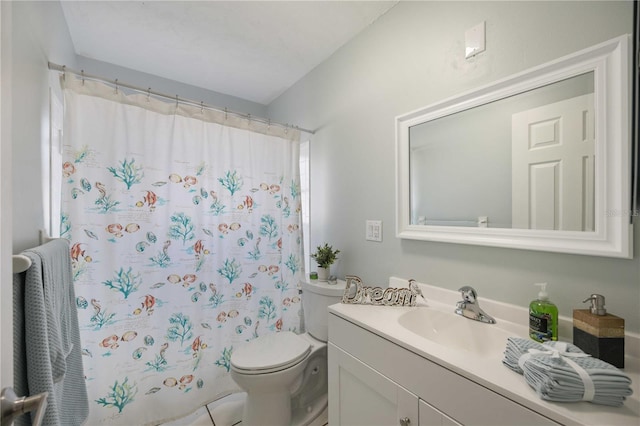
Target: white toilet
(285,374)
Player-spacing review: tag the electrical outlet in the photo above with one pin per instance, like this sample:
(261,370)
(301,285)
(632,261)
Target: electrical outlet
(374,230)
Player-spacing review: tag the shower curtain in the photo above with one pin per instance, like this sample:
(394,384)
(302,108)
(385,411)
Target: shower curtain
(186,241)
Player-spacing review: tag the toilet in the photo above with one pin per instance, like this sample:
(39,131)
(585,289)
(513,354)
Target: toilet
(285,374)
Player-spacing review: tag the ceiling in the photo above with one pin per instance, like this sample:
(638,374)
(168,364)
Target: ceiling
(253,50)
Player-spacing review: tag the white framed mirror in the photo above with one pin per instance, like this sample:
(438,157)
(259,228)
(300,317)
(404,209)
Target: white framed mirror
(540,160)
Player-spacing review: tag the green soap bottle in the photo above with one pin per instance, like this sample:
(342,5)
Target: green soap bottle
(543,317)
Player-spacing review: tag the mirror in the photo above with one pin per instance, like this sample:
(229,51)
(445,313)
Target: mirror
(540,139)
(539,160)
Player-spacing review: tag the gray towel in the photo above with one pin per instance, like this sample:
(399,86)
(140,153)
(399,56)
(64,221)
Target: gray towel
(555,379)
(47,337)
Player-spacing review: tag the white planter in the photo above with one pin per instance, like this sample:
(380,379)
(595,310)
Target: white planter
(323,274)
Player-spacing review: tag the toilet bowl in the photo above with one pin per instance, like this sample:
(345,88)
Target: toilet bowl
(285,374)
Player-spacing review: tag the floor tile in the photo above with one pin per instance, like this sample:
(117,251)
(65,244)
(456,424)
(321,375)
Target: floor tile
(228,410)
(200,417)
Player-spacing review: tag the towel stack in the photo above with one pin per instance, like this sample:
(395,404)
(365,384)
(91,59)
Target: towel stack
(561,372)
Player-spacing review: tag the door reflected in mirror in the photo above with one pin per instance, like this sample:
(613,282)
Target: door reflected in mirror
(525,162)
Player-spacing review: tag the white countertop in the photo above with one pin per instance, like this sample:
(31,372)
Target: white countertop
(490,372)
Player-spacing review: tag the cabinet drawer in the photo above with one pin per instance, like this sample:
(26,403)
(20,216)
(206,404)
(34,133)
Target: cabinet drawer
(458,397)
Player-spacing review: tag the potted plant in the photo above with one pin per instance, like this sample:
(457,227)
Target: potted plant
(324,257)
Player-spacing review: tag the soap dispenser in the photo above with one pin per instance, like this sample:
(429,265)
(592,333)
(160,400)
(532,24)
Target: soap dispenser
(598,333)
(543,317)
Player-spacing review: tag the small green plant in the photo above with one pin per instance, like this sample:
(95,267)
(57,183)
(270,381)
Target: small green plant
(325,255)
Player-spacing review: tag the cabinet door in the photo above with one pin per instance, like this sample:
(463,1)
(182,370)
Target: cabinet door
(360,396)
(431,416)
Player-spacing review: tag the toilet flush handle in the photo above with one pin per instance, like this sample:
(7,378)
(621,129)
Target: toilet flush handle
(406,421)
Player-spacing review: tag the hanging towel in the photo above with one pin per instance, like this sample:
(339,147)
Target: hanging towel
(47,351)
(562,372)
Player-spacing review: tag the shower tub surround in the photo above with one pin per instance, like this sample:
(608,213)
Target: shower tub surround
(445,367)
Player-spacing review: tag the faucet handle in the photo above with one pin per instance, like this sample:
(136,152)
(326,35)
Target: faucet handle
(468,294)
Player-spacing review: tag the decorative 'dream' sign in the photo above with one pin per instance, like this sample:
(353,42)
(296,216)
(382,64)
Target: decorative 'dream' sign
(356,293)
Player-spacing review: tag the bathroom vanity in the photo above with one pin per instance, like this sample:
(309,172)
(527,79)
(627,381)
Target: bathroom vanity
(427,366)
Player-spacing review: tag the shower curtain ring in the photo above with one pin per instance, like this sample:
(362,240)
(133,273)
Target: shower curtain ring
(201,107)
(176,101)
(82,73)
(149,94)
(225,113)
(116,86)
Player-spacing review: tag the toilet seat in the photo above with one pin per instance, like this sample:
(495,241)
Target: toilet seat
(270,353)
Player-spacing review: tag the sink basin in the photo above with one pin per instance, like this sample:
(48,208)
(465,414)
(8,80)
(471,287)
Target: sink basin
(457,332)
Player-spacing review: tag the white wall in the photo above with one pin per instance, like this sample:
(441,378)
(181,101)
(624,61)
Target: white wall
(170,87)
(39,35)
(6,306)
(32,33)
(411,57)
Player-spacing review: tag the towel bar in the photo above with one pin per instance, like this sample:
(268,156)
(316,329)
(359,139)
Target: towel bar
(20,263)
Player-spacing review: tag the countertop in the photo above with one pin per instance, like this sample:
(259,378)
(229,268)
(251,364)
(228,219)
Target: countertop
(489,371)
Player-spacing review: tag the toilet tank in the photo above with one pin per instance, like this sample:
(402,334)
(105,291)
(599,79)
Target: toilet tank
(317,296)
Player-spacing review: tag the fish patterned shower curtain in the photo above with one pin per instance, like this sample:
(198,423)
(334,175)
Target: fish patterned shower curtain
(185,230)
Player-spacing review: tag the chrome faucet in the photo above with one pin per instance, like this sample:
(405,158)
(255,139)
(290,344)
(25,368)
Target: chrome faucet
(468,307)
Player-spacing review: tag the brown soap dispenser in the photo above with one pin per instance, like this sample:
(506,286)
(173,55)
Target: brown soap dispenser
(598,333)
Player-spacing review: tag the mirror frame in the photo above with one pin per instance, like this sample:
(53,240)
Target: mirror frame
(612,237)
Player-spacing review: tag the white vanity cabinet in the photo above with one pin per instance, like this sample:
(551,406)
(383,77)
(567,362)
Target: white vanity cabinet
(373,381)
(360,396)
(431,416)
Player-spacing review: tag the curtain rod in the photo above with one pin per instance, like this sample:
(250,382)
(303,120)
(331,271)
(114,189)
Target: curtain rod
(148,91)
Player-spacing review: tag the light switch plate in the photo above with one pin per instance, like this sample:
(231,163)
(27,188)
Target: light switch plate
(374,230)
(475,40)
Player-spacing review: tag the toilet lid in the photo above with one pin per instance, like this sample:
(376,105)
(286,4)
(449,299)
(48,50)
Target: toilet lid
(275,350)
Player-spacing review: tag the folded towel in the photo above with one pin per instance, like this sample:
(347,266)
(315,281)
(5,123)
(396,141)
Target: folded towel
(561,372)
(517,346)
